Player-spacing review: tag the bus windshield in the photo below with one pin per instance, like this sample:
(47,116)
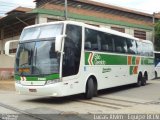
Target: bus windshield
(36,54)
(37,58)
(46,31)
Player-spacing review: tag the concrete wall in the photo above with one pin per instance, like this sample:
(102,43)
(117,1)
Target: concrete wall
(6,62)
(130,31)
(41,19)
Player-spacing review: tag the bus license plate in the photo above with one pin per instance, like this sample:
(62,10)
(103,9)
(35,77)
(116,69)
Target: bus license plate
(32,90)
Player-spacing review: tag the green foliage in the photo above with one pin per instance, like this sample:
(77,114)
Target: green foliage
(157,36)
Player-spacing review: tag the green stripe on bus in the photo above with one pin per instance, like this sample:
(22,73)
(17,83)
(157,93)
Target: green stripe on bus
(131,70)
(133,60)
(104,59)
(49,77)
(16,77)
(92,58)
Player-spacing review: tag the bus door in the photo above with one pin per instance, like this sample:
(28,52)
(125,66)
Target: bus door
(72,52)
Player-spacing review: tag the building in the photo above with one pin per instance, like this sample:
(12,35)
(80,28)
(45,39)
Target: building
(10,28)
(132,22)
(136,23)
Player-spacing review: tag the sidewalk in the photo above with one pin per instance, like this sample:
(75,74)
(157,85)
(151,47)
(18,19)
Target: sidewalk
(7,85)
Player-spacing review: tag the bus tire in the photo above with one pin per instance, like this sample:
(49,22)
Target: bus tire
(95,90)
(95,86)
(156,75)
(89,89)
(144,80)
(139,81)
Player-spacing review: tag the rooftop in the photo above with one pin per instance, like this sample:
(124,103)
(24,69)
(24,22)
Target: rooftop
(112,7)
(19,9)
(157,15)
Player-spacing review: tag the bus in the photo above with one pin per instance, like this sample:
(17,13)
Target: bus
(157,64)
(66,58)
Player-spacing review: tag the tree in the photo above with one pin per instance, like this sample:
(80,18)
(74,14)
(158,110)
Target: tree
(157,36)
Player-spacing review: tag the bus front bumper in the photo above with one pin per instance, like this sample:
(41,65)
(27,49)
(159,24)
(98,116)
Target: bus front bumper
(45,90)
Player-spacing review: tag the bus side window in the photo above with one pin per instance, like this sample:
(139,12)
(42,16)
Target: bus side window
(145,49)
(151,50)
(120,44)
(88,45)
(139,48)
(88,39)
(107,43)
(131,46)
(92,40)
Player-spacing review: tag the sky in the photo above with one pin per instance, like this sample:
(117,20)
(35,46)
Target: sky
(147,6)
(8,5)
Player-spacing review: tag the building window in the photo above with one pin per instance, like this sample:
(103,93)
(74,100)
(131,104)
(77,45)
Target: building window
(118,29)
(140,34)
(13,50)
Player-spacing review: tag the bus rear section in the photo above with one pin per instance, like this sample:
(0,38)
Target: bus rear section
(113,59)
(157,63)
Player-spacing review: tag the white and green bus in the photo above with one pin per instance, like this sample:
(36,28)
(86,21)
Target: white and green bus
(65,58)
(157,63)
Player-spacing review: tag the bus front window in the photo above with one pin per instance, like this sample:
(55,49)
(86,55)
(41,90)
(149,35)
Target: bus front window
(36,52)
(37,58)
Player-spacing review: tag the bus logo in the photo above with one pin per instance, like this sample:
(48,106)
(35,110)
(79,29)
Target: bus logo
(95,59)
(90,59)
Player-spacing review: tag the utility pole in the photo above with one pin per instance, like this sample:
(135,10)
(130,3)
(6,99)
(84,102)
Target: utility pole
(153,28)
(66,10)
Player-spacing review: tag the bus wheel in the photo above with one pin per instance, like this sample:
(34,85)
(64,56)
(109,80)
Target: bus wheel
(89,89)
(155,75)
(144,80)
(139,81)
(95,94)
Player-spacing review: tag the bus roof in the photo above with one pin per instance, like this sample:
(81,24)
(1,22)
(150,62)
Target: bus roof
(103,29)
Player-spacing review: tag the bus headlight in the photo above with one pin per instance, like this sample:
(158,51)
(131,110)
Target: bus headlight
(52,81)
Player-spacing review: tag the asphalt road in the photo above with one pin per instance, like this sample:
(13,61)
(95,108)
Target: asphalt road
(125,99)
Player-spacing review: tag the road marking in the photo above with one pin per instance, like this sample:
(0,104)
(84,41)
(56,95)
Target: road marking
(110,103)
(98,104)
(128,101)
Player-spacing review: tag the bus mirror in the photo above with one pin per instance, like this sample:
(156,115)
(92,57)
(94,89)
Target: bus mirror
(58,43)
(7,47)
